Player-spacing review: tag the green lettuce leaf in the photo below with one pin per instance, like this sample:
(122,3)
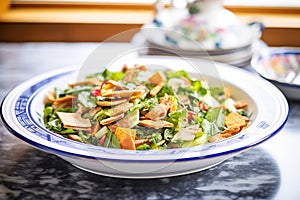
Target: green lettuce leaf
(109,75)
(87,100)
(177,118)
(166,89)
(178,74)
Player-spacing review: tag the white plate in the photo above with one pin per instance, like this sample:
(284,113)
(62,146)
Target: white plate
(190,46)
(22,108)
(229,58)
(153,42)
(239,57)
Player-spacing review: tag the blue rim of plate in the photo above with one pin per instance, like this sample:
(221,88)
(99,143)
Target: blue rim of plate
(34,127)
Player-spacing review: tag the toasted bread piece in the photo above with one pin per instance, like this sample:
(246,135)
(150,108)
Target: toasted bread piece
(240,104)
(65,99)
(111,119)
(126,138)
(115,84)
(170,102)
(91,81)
(131,73)
(73,120)
(121,108)
(111,102)
(157,78)
(234,119)
(155,124)
(123,93)
(50,98)
(156,89)
(157,112)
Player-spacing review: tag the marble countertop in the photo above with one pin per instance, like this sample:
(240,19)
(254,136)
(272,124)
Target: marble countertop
(268,171)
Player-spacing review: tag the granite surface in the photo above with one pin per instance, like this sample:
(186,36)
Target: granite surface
(32,173)
(268,171)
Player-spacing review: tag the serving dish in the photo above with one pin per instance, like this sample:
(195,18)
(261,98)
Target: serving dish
(238,57)
(202,26)
(21,112)
(186,45)
(281,66)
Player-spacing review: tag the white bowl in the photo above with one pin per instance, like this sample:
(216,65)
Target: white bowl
(281,66)
(22,108)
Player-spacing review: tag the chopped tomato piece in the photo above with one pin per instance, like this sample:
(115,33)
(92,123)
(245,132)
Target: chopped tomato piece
(191,115)
(202,106)
(96,92)
(102,139)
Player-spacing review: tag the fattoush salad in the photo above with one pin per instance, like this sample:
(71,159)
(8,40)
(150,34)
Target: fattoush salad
(141,109)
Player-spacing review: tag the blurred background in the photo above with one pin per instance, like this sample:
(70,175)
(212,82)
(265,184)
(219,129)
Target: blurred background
(97,20)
